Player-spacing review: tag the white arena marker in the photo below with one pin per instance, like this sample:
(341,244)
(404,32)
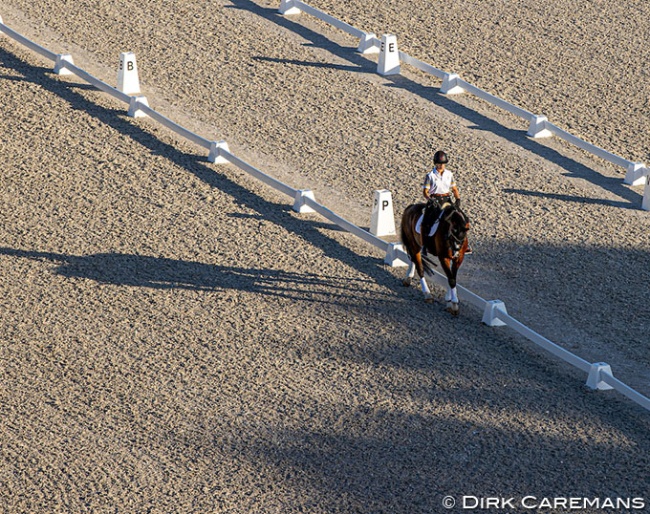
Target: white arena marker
(450,85)
(392,255)
(128,81)
(538,128)
(491,313)
(635,174)
(367,44)
(594,380)
(299,204)
(134,106)
(646,195)
(215,152)
(382,222)
(388,56)
(59,68)
(288,7)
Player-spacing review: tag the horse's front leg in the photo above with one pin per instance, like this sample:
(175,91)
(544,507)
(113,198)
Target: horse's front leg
(451,297)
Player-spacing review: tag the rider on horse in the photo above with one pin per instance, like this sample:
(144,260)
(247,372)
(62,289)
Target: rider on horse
(438,185)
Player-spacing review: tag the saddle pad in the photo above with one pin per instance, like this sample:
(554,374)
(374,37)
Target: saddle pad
(418,225)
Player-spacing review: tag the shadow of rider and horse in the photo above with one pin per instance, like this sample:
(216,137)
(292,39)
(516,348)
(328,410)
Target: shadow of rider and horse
(436,229)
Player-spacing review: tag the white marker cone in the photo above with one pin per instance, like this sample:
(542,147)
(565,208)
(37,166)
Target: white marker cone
(128,81)
(388,56)
(382,222)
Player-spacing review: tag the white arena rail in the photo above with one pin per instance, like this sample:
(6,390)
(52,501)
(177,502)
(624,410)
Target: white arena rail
(26,42)
(494,100)
(368,43)
(494,311)
(64,62)
(593,149)
(636,173)
(421,65)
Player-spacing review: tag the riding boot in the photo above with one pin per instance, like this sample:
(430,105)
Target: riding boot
(425,238)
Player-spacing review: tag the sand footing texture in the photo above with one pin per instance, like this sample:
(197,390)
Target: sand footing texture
(174,338)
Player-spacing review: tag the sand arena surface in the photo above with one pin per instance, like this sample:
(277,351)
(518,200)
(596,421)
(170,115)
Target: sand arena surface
(176,339)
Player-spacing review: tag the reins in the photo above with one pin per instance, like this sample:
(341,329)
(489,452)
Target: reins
(450,233)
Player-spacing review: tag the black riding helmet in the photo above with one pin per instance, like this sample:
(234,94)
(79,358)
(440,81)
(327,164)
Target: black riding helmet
(440,157)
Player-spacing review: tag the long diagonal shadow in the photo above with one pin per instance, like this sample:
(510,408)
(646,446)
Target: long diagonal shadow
(566,198)
(164,273)
(481,122)
(276,213)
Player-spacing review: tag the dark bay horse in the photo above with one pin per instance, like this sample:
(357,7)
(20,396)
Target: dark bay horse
(448,244)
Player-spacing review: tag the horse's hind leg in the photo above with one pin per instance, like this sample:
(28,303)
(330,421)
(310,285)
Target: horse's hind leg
(410,273)
(428,297)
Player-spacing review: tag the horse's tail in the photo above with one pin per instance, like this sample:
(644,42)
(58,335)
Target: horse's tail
(407,229)
(410,238)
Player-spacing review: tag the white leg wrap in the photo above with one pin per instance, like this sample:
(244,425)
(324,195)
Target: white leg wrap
(411,271)
(424,285)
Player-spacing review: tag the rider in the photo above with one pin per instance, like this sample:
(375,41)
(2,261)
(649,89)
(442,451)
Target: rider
(439,184)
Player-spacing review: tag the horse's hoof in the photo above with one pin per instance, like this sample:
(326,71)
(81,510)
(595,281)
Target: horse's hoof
(429,299)
(406,282)
(452,308)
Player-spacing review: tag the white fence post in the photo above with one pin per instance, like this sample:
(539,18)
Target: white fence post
(635,174)
(537,127)
(367,44)
(491,313)
(215,152)
(392,257)
(646,195)
(594,381)
(299,202)
(59,67)
(388,56)
(127,76)
(450,85)
(288,7)
(134,110)
(382,221)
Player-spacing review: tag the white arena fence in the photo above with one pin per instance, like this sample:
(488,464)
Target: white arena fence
(599,376)
(390,57)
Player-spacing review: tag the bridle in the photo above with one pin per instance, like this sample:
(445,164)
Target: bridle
(456,236)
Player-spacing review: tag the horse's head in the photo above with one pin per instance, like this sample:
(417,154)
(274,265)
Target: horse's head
(458,228)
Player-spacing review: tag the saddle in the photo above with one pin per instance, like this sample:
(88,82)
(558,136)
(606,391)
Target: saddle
(432,213)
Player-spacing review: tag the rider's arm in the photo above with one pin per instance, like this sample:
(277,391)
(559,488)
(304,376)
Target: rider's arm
(454,190)
(425,192)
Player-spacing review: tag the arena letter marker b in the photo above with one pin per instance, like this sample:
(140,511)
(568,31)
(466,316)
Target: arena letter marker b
(128,81)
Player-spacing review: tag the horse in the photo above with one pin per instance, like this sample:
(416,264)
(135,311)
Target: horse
(448,244)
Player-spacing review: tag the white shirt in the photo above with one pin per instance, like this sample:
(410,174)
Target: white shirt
(439,184)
